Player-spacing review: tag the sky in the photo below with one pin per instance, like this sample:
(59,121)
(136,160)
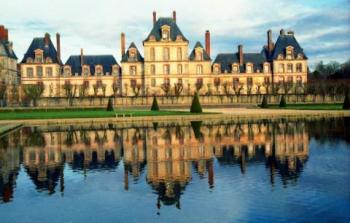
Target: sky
(322,27)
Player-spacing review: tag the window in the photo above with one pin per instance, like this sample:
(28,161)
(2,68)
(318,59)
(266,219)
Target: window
(165,34)
(289,52)
(290,79)
(48,60)
(216,69)
(179,53)
(38,57)
(39,71)
(153,82)
(115,70)
(133,83)
(235,69)
(299,67)
(179,81)
(132,70)
(199,54)
(266,68)
(249,68)
(299,79)
(281,79)
(153,69)
(249,81)
(66,71)
(199,69)
(235,81)
(86,71)
(289,68)
(266,80)
(152,54)
(98,70)
(48,72)
(132,54)
(166,69)
(281,68)
(166,53)
(179,68)
(30,72)
(29,60)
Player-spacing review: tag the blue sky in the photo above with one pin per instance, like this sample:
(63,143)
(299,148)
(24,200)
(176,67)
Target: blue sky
(322,27)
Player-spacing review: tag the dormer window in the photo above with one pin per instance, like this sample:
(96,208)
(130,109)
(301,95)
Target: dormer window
(266,68)
(29,60)
(216,68)
(132,54)
(39,56)
(198,54)
(115,70)
(289,53)
(178,38)
(67,71)
(165,32)
(98,70)
(280,57)
(152,38)
(300,56)
(86,70)
(234,68)
(48,60)
(249,68)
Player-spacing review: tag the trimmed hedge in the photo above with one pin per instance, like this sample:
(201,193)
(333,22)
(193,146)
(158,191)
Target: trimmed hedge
(196,105)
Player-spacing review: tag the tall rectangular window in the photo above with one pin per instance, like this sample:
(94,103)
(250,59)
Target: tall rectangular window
(199,69)
(179,68)
(132,70)
(179,53)
(30,72)
(166,54)
(249,81)
(39,71)
(281,68)
(153,82)
(290,68)
(166,69)
(49,72)
(153,69)
(152,54)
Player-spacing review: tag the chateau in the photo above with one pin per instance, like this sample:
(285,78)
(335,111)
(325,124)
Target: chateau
(166,67)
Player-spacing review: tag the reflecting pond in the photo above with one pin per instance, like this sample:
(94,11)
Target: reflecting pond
(225,171)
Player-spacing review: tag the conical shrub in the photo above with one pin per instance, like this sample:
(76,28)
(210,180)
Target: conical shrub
(283,102)
(155,106)
(196,105)
(110,105)
(264,103)
(346,104)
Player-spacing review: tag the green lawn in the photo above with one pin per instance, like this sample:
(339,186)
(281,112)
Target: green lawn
(81,113)
(310,106)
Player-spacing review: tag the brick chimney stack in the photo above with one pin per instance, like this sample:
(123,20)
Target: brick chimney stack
(154,17)
(240,51)
(174,16)
(282,32)
(81,57)
(207,42)
(269,40)
(47,39)
(58,45)
(4,35)
(122,43)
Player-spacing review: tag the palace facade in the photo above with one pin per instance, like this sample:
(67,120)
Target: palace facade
(167,67)
(8,59)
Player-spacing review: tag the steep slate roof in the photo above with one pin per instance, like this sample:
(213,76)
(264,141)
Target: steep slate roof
(39,43)
(282,42)
(5,50)
(139,58)
(107,61)
(227,59)
(157,29)
(205,54)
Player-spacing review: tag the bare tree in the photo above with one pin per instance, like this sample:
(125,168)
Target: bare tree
(70,92)
(166,88)
(178,87)
(33,91)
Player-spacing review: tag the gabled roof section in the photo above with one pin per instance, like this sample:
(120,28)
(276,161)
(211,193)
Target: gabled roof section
(107,62)
(227,59)
(157,29)
(6,49)
(126,58)
(283,41)
(206,57)
(39,43)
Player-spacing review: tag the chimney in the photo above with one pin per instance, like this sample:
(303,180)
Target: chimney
(122,43)
(81,57)
(207,42)
(269,40)
(240,51)
(291,33)
(47,39)
(58,45)
(154,17)
(174,16)
(282,32)
(3,33)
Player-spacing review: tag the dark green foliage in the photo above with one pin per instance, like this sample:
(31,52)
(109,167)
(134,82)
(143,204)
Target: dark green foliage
(110,105)
(264,103)
(196,127)
(346,104)
(283,102)
(155,126)
(196,105)
(155,106)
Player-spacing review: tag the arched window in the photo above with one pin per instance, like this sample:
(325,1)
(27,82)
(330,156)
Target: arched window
(235,68)
(299,67)
(98,70)
(152,52)
(179,68)
(179,53)
(199,69)
(166,54)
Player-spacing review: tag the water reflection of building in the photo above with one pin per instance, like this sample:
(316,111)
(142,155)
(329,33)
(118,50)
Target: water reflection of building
(171,153)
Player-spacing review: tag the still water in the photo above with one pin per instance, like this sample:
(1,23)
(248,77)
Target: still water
(258,171)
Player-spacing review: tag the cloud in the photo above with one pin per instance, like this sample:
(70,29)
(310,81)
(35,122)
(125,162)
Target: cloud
(321,28)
